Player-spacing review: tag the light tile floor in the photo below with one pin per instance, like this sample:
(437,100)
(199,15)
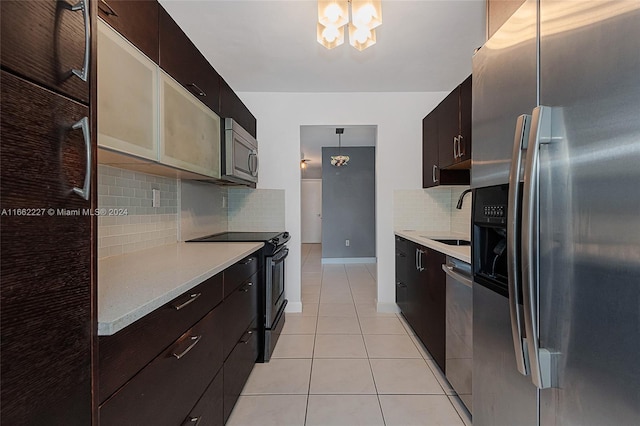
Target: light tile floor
(340,362)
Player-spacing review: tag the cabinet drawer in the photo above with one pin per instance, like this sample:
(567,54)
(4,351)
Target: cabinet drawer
(136,20)
(184,62)
(239,272)
(43,42)
(238,367)
(209,410)
(164,391)
(240,309)
(128,351)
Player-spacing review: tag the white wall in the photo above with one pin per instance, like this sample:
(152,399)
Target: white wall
(398,160)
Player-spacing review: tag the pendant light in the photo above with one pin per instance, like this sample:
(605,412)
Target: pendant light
(339,160)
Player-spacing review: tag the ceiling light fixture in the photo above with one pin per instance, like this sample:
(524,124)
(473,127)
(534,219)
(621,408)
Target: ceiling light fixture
(339,160)
(362,17)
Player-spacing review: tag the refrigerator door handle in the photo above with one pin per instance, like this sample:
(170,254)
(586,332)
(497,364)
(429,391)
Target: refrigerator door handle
(513,261)
(541,360)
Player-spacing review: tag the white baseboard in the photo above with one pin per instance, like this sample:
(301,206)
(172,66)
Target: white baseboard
(340,260)
(387,307)
(293,307)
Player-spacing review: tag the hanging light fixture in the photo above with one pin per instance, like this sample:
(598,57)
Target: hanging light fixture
(362,17)
(339,160)
(303,163)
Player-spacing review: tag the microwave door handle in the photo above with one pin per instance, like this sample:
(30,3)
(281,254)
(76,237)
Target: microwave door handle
(513,262)
(253,159)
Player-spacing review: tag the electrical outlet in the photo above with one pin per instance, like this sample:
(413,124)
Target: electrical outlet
(155,200)
(346,243)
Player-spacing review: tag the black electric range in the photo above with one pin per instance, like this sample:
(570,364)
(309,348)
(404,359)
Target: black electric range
(271,291)
(272,240)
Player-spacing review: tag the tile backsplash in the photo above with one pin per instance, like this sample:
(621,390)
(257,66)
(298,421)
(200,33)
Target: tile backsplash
(140,225)
(256,209)
(432,210)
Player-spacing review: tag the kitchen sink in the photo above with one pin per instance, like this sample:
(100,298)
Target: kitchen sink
(454,242)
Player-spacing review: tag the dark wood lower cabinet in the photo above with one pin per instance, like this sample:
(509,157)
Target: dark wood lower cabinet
(46,263)
(125,353)
(238,366)
(209,410)
(240,309)
(421,294)
(433,300)
(164,392)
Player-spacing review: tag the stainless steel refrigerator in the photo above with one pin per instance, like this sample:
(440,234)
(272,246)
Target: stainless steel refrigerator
(556,250)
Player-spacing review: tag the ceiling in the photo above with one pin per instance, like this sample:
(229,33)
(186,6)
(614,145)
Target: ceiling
(270,45)
(313,138)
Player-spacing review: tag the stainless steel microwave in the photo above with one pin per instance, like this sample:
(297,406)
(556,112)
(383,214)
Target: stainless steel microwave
(240,154)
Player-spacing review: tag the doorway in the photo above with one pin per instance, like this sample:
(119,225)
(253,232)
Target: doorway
(311,206)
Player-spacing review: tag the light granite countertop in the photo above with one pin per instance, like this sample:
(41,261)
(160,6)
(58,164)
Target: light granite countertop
(427,239)
(132,285)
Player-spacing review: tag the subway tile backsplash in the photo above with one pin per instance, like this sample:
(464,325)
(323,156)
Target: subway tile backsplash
(256,209)
(137,225)
(432,210)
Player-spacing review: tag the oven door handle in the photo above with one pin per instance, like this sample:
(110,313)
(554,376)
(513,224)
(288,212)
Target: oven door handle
(279,256)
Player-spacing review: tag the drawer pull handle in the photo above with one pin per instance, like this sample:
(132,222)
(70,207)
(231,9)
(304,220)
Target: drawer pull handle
(192,421)
(248,261)
(245,341)
(83,124)
(195,340)
(400,284)
(246,287)
(198,91)
(106,8)
(191,299)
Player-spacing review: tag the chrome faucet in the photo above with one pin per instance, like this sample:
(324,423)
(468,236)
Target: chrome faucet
(459,205)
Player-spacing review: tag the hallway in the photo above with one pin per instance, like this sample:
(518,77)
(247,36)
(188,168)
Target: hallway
(340,362)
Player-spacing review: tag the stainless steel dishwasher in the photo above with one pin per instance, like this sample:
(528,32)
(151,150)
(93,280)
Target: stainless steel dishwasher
(459,320)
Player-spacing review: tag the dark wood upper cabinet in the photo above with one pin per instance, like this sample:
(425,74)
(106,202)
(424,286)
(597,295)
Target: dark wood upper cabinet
(44,41)
(181,59)
(464,146)
(136,20)
(232,107)
(448,128)
(47,258)
(446,140)
(430,168)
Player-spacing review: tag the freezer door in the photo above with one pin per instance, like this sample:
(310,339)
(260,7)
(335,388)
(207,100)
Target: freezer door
(504,87)
(501,395)
(589,295)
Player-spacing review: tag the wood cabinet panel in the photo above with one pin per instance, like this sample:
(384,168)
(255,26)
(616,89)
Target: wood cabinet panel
(402,272)
(46,262)
(127,97)
(240,309)
(448,128)
(136,20)
(209,411)
(128,351)
(433,300)
(181,59)
(164,392)
(189,131)
(238,367)
(232,107)
(430,169)
(464,146)
(43,41)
